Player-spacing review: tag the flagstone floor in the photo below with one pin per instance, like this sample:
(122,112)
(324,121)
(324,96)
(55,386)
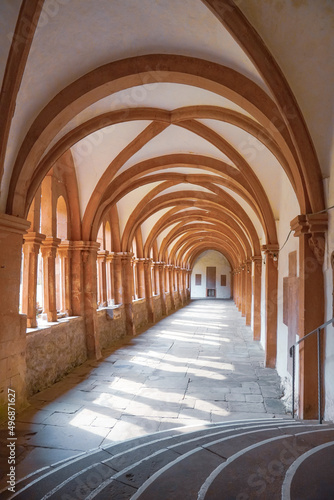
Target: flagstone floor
(198,365)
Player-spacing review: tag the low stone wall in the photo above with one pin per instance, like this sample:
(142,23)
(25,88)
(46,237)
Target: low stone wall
(157,307)
(111,325)
(140,313)
(53,352)
(177,301)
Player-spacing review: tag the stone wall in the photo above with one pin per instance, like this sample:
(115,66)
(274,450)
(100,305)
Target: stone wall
(53,352)
(111,325)
(157,307)
(140,313)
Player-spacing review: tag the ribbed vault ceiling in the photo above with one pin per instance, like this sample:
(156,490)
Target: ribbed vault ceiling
(175,128)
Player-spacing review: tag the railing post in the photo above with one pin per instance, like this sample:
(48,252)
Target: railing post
(292,355)
(319,376)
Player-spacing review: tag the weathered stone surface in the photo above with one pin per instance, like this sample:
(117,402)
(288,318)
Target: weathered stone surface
(52,352)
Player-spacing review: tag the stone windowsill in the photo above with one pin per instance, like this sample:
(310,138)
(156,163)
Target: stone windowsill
(43,324)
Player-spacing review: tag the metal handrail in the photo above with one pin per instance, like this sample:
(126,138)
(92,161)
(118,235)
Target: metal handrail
(293,356)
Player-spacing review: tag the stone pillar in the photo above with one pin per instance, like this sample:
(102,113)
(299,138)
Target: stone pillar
(49,253)
(12,324)
(77,279)
(147,263)
(156,278)
(161,267)
(110,278)
(127,277)
(65,254)
(171,286)
(239,288)
(271,252)
(177,282)
(243,289)
(89,256)
(32,243)
(102,270)
(310,229)
(141,278)
(118,290)
(248,274)
(257,297)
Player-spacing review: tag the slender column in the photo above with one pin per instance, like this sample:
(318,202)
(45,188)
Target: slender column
(171,286)
(257,297)
(156,278)
(118,290)
(65,254)
(77,278)
(101,263)
(271,252)
(32,243)
(311,233)
(162,288)
(141,278)
(188,283)
(178,290)
(110,278)
(239,288)
(243,289)
(49,253)
(147,263)
(12,324)
(166,278)
(127,277)
(89,255)
(248,272)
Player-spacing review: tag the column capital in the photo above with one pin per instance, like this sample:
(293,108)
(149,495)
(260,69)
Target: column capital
(102,254)
(315,225)
(65,246)
(49,246)
(89,248)
(12,224)
(271,250)
(32,238)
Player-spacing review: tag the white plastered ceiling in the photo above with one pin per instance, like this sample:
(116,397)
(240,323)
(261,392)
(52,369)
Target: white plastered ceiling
(80,35)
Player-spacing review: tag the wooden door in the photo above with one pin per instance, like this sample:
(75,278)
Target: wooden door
(210,281)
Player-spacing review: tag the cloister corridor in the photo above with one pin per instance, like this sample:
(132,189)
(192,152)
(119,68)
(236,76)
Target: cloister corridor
(197,366)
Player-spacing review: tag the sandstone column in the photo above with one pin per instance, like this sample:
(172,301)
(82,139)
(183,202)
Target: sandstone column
(89,255)
(32,243)
(147,263)
(310,229)
(65,254)
(118,290)
(110,278)
(257,297)
(141,278)
(77,279)
(271,252)
(162,288)
(243,289)
(102,267)
(127,277)
(49,253)
(248,272)
(12,324)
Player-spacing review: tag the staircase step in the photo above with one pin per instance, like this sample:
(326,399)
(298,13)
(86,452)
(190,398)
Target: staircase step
(242,457)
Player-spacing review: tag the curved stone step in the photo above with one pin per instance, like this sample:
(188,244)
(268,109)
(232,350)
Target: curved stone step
(304,480)
(183,463)
(98,463)
(184,478)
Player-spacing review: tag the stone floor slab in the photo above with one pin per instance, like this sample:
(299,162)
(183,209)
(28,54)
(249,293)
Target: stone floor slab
(199,365)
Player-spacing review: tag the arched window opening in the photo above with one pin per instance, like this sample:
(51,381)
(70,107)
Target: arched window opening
(62,226)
